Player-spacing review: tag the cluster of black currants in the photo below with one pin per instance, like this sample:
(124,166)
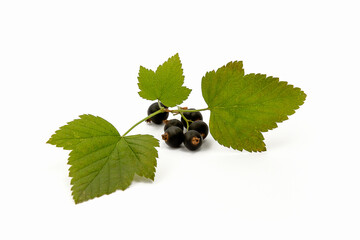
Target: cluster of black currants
(174,129)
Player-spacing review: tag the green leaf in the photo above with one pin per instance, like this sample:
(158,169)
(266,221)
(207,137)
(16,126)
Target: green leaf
(165,84)
(101,160)
(243,106)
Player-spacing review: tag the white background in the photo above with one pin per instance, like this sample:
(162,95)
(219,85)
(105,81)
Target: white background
(61,59)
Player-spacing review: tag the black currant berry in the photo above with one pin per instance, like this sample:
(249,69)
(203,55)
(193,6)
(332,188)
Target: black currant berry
(193,140)
(159,118)
(173,136)
(201,127)
(193,116)
(173,122)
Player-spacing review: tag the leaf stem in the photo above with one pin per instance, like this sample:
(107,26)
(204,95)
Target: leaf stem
(143,120)
(187,110)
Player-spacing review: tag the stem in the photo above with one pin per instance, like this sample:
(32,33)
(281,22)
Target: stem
(144,119)
(161,110)
(187,110)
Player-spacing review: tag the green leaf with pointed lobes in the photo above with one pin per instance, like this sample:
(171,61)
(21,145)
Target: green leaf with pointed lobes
(101,160)
(243,106)
(165,84)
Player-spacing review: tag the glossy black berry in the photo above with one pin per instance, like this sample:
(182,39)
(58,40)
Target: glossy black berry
(173,122)
(193,116)
(173,136)
(159,118)
(193,140)
(201,127)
